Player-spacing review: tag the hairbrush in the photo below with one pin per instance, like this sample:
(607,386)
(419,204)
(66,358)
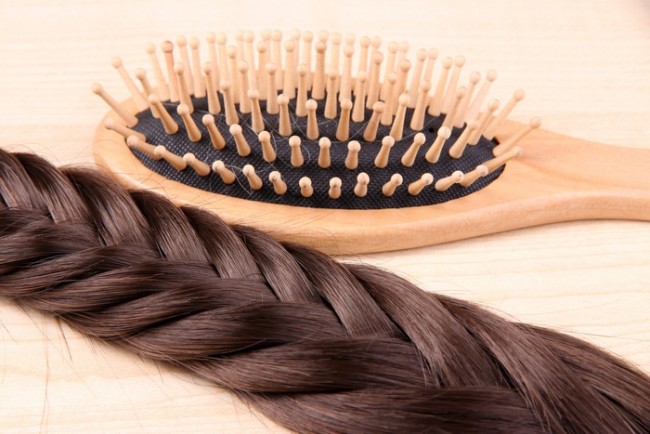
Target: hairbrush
(352,147)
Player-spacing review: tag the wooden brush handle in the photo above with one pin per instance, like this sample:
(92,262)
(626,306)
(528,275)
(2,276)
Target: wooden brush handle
(573,179)
(558,178)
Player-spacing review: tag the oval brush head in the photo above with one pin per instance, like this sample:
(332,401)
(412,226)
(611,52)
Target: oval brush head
(321,124)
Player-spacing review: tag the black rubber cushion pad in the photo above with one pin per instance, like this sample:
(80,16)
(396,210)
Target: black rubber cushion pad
(179,144)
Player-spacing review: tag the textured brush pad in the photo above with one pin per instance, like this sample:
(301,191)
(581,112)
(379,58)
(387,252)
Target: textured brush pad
(203,150)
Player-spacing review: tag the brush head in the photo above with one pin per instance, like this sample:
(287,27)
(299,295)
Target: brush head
(319,121)
(271,94)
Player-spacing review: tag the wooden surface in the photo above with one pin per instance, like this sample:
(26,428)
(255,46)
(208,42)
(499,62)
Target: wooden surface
(584,65)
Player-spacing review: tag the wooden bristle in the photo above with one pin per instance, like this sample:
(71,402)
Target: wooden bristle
(432,55)
(183,91)
(387,116)
(346,77)
(170,126)
(306,190)
(318,84)
(414,85)
(215,73)
(444,183)
(381,160)
(461,92)
(331,99)
(268,152)
(494,125)
(361,188)
(416,187)
(243,148)
(484,118)
(359,110)
(389,68)
(110,124)
(227,175)
(130,119)
(403,50)
(343,128)
(223,58)
(305,54)
(324,158)
(215,135)
(417,119)
(161,84)
(499,161)
(457,149)
(181,43)
(309,103)
(232,117)
(136,142)
(289,88)
(193,132)
(352,160)
(244,87)
(174,160)
(370,133)
(262,76)
(249,57)
(512,141)
(272,92)
(214,105)
(141,75)
(297,159)
(276,56)
(301,100)
(140,101)
(285,120)
(373,77)
(279,186)
(168,51)
(461,114)
(199,166)
(400,86)
(450,94)
(335,50)
(435,103)
(397,130)
(433,154)
(312,121)
(197,77)
(388,189)
(476,104)
(235,78)
(470,177)
(409,156)
(257,121)
(254,181)
(335,188)
(364,43)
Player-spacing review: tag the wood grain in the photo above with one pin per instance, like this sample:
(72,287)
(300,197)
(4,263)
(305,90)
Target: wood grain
(584,66)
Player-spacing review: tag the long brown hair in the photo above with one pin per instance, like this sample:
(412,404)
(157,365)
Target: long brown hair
(317,345)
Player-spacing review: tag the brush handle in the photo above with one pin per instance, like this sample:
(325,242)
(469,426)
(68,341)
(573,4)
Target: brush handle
(572,179)
(558,178)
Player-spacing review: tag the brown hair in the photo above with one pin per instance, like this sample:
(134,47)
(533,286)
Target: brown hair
(317,345)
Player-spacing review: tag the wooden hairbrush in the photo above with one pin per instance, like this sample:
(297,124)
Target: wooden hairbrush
(327,141)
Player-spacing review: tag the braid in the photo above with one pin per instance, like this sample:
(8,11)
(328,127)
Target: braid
(317,345)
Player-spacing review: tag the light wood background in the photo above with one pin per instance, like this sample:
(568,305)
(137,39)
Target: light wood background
(585,65)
